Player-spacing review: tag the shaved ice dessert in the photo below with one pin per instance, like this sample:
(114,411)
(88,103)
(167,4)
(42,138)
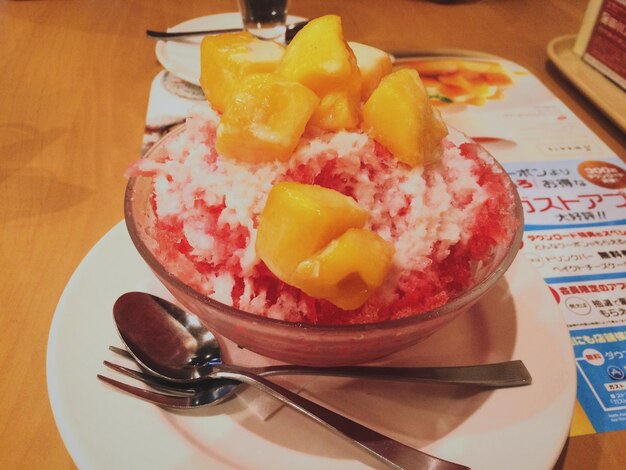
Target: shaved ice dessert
(307,200)
(443,220)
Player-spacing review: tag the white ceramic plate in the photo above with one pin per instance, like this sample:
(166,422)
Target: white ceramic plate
(182,57)
(508,428)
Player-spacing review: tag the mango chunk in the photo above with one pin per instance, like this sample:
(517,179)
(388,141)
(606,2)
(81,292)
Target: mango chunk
(299,220)
(373,64)
(336,111)
(348,270)
(226,58)
(400,116)
(265,117)
(320,58)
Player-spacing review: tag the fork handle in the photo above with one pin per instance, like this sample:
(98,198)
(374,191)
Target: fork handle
(393,453)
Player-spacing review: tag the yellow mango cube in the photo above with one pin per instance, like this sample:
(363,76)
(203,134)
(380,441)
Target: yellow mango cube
(298,220)
(320,58)
(336,111)
(264,118)
(348,270)
(373,64)
(400,116)
(226,58)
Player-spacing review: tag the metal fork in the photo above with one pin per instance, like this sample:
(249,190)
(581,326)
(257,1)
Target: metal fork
(392,453)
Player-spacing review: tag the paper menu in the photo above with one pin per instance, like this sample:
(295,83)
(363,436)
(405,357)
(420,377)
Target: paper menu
(575,236)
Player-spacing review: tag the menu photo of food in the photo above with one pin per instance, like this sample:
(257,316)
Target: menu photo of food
(462,81)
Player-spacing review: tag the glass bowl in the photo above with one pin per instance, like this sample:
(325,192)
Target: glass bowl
(316,345)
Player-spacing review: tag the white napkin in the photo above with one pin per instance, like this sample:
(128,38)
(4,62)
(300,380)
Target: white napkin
(264,406)
(260,403)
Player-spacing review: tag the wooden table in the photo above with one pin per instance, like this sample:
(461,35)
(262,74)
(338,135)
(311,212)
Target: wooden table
(74,86)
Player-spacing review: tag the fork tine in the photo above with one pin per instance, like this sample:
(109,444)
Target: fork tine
(121,352)
(152,381)
(161,399)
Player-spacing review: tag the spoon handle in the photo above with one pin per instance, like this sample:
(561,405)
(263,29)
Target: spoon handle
(393,453)
(502,374)
(290,32)
(183,34)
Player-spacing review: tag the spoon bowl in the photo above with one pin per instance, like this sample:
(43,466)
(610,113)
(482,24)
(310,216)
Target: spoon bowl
(165,339)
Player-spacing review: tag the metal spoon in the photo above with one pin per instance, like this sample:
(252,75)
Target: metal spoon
(290,31)
(174,344)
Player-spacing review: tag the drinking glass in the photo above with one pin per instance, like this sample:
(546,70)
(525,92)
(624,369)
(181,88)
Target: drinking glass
(265,19)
